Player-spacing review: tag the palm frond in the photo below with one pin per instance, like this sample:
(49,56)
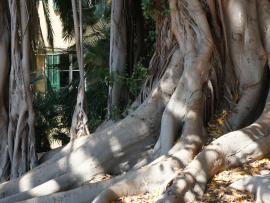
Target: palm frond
(94,33)
(64,9)
(48,22)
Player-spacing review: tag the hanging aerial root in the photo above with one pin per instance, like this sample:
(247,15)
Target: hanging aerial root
(79,124)
(152,107)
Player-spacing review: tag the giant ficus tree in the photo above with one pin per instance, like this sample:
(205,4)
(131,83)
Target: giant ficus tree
(209,54)
(17,116)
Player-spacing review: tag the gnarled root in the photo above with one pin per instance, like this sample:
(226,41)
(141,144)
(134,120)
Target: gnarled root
(252,144)
(184,108)
(155,176)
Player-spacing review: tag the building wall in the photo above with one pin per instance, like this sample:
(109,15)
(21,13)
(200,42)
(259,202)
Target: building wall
(40,84)
(60,46)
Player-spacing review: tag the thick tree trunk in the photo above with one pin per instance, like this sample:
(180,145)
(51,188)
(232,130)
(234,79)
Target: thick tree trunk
(244,44)
(4,72)
(118,56)
(21,135)
(251,142)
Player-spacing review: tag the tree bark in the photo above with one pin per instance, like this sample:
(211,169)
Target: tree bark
(21,135)
(4,73)
(79,124)
(118,56)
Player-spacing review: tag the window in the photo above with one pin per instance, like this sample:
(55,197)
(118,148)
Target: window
(52,71)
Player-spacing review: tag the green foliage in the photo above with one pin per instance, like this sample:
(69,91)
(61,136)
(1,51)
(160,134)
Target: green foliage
(53,112)
(150,10)
(55,108)
(91,14)
(116,113)
(134,83)
(50,31)
(97,96)
(95,33)
(102,9)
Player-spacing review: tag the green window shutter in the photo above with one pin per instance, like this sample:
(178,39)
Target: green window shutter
(52,71)
(56,59)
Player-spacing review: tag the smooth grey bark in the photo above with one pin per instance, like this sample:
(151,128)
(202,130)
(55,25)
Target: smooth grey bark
(118,55)
(185,108)
(244,41)
(4,72)
(21,134)
(253,140)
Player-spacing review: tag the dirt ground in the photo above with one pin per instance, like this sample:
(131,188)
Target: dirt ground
(218,190)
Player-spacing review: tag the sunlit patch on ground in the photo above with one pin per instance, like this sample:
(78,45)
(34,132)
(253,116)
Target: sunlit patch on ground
(144,198)
(215,126)
(99,178)
(218,190)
